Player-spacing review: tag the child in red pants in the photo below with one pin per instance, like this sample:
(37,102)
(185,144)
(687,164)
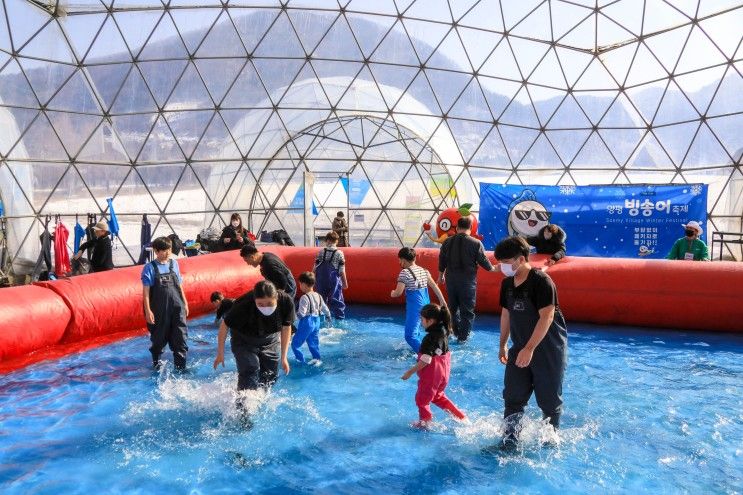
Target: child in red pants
(433,365)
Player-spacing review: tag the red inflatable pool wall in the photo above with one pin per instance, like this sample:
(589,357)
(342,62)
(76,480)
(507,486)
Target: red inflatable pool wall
(95,309)
(31,318)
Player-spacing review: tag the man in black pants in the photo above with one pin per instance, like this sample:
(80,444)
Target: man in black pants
(458,260)
(532,318)
(272,269)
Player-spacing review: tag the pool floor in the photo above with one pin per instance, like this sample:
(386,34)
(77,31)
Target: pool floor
(645,412)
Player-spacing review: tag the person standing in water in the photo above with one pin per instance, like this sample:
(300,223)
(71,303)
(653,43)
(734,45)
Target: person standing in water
(330,272)
(459,257)
(309,311)
(531,317)
(414,281)
(165,305)
(433,366)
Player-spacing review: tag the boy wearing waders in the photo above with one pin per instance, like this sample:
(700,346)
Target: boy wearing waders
(165,305)
(310,307)
(414,281)
(330,274)
(531,317)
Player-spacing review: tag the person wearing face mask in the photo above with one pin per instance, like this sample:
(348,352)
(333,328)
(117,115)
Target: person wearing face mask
(532,319)
(549,240)
(260,328)
(690,247)
(234,236)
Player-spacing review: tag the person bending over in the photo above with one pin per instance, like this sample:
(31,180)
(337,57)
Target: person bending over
(272,268)
(260,328)
(221,305)
(549,240)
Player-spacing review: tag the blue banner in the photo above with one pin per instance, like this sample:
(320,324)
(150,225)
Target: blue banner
(615,221)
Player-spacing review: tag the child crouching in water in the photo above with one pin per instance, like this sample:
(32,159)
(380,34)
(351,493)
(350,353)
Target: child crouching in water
(311,304)
(433,365)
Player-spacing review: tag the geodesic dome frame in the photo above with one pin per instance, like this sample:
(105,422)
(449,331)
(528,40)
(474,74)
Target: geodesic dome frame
(175,109)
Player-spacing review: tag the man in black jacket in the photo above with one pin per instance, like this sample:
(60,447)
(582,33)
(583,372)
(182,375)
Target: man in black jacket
(549,240)
(458,259)
(100,258)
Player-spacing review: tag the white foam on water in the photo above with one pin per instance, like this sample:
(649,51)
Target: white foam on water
(536,436)
(332,336)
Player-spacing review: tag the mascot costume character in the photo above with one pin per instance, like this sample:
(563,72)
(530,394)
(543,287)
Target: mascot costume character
(446,224)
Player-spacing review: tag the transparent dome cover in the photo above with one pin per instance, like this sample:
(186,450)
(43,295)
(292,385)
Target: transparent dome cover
(388,110)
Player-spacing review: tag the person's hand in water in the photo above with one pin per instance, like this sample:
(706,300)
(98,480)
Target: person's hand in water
(219,360)
(285,366)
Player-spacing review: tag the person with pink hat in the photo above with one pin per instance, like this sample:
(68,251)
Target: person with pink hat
(690,247)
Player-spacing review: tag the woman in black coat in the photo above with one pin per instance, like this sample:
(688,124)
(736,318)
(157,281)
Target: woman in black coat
(100,257)
(549,240)
(234,236)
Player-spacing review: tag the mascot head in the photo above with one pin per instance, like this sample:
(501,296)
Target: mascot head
(526,215)
(446,223)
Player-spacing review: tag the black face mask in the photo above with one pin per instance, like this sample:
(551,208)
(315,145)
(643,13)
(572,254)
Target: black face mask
(690,232)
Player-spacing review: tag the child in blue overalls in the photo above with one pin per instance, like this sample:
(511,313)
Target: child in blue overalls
(165,305)
(414,281)
(330,272)
(309,311)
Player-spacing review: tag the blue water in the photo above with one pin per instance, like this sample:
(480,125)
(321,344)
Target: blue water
(647,412)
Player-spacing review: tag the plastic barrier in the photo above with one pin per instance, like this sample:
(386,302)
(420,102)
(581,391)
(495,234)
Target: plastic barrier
(31,318)
(111,302)
(651,293)
(99,307)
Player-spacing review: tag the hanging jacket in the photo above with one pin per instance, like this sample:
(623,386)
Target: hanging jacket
(61,254)
(79,234)
(45,257)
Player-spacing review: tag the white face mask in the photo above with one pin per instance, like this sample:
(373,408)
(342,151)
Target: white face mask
(236,224)
(508,269)
(267,310)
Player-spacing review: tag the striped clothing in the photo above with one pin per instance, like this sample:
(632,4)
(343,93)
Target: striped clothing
(413,278)
(332,255)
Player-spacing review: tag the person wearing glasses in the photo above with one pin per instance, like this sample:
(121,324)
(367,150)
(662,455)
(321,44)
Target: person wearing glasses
(549,240)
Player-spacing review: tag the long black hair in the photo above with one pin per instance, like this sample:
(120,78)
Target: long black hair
(439,314)
(263,289)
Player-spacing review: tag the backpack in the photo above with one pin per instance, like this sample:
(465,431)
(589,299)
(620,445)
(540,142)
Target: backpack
(177,243)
